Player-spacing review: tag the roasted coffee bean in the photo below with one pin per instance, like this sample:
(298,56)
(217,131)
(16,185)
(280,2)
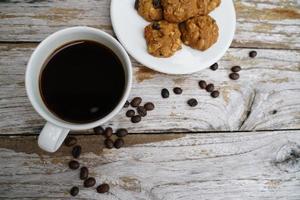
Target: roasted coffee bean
(108,132)
(73,164)
(156,26)
(122,132)
(236,69)
(74,191)
(84,173)
(109,143)
(234,76)
(214,67)
(90,182)
(118,143)
(252,54)
(142,111)
(76,151)
(177,90)
(130,113)
(274,112)
(210,87)
(156,4)
(215,94)
(202,84)
(70,141)
(136,119)
(103,188)
(149,106)
(136,101)
(136,4)
(192,102)
(126,105)
(165,93)
(99,130)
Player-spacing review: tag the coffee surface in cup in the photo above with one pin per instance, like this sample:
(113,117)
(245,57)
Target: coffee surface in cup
(82,82)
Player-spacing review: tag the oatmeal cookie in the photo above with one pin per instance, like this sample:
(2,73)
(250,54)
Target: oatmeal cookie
(150,10)
(163,38)
(200,32)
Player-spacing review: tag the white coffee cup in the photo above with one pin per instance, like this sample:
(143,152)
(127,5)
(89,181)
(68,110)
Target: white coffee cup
(56,129)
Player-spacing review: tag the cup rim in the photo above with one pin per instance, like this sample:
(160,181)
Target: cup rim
(62,123)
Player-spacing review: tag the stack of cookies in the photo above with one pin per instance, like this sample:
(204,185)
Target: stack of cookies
(177,21)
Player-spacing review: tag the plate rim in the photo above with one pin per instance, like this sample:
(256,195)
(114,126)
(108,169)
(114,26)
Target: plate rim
(153,67)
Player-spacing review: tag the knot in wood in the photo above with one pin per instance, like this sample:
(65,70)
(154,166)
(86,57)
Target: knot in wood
(288,157)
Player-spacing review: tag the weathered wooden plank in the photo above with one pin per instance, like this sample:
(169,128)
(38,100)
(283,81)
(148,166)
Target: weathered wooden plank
(269,89)
(215,166)
(261,23)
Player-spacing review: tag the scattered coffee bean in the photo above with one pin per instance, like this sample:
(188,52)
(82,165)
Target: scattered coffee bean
(252,54)
(90,182)
(236,69)
(165,93)
(130,113)
(84,173)
(177,90)
(122,132)
(202,84)
(274,112)
(74,191)
(156,26)
(192,102)
(136,119)
(234,76)
(210,87)
(126,105)
(76,151)
(149,106)
(99,130)
(73,164)
(103,188)
(109,143)
(215,94)
(136,4)
(118,143)
(70,141)
(136,101)
(108,132)
(156,4)
(214,67)
(142,111)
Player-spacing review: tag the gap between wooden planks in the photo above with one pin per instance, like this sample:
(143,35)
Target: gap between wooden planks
(263,165)
(265,98)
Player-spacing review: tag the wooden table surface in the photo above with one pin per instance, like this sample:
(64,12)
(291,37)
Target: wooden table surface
(243,145)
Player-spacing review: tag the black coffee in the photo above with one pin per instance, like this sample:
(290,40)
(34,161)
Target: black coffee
(82,82)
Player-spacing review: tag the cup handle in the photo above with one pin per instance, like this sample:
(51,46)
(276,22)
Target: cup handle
(51,137)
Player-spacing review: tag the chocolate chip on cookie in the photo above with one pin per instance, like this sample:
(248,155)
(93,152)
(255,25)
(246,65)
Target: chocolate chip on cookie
(156,3)
(150,10)
(155,26)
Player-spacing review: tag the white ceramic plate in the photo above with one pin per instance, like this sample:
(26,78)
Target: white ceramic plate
(129,28)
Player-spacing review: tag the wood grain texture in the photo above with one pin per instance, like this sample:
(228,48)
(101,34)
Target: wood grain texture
(260,23)
(234,166)
(265,98)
